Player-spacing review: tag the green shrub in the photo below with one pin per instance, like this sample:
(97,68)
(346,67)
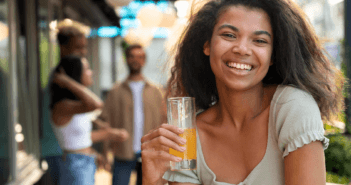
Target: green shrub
(338,156)
(333,178)
(331,129)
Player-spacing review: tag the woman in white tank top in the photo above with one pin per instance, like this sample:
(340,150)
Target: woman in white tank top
(71,105)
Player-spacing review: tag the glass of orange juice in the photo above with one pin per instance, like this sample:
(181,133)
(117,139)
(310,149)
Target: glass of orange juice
(181,113)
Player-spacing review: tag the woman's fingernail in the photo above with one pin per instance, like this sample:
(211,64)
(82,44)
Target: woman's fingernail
(182,140)
(179,159)
(182,149)
(181,130)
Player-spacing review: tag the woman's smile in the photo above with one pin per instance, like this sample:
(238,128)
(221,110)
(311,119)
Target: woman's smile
(239,69)
(241,47)
(235,65)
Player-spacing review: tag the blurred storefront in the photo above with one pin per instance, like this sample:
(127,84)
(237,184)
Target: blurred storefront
(28,52)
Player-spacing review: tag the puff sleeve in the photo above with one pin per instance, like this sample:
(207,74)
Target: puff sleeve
(298,121)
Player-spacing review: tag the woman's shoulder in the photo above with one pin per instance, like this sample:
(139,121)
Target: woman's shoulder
(291,104)
(288,93)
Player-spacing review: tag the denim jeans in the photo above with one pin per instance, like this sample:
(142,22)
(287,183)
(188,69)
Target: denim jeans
(77,169)
(54,167)
(123,169)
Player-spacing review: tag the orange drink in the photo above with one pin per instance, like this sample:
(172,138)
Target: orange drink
(181,113)
(190,152)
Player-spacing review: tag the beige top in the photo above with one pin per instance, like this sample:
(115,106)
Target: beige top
(294,121)
(119,112)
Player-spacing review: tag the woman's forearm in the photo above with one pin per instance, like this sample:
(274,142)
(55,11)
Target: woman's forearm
(99,135)
(88,98)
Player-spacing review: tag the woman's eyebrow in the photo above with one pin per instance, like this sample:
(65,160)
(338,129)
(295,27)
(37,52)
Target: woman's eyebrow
(228,26)
(237,30)
(263,32)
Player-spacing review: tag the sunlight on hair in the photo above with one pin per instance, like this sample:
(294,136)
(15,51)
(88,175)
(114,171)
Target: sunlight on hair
(66,23)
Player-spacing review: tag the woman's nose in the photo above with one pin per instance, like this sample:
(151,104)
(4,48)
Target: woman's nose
(242,48)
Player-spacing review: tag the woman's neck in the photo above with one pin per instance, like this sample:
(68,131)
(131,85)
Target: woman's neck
(240,107)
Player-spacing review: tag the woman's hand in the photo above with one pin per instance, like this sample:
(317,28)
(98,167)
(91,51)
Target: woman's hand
(118,135)
(155,152)
(61,78)
(102,162)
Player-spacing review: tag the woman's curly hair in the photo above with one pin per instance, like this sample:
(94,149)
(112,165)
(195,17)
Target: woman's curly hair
(298,57)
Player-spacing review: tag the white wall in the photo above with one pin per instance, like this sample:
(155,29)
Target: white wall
(105,72)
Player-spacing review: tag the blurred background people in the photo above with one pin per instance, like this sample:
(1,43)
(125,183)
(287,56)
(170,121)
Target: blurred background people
(137,106)
(72,40)
(71,105)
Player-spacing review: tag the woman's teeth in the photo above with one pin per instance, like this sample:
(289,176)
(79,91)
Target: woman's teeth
(239,66)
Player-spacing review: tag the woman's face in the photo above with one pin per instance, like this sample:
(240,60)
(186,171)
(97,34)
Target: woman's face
(241,47)
(87,73)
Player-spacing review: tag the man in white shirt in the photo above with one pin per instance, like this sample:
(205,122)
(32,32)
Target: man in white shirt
(137,106)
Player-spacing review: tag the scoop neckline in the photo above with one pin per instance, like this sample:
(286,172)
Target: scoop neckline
(258,165)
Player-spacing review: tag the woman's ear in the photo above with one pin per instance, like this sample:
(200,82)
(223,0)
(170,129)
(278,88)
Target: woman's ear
(207,48)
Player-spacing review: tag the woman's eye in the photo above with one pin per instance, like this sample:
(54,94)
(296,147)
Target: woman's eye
(261,41)
(229,35)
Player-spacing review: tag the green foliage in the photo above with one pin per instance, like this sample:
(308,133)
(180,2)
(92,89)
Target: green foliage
(338,156)
(342,117)
(333,178)
(4,65)
(346,85)
(44,55)
(343,71)
(44,60)
(331,129)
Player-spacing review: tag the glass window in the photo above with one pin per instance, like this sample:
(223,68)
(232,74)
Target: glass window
(48,56)
(4,100)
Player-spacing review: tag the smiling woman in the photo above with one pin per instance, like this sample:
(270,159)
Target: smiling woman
(240,52)
(263,87)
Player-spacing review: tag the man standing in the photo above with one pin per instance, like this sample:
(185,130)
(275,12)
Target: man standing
(72,40)
(137,106)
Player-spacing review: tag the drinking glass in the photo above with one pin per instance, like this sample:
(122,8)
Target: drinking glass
(181,113)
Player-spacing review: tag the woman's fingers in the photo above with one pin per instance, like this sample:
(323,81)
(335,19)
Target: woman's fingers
(152,154)
(161,142)
(169,131)
(172,128)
